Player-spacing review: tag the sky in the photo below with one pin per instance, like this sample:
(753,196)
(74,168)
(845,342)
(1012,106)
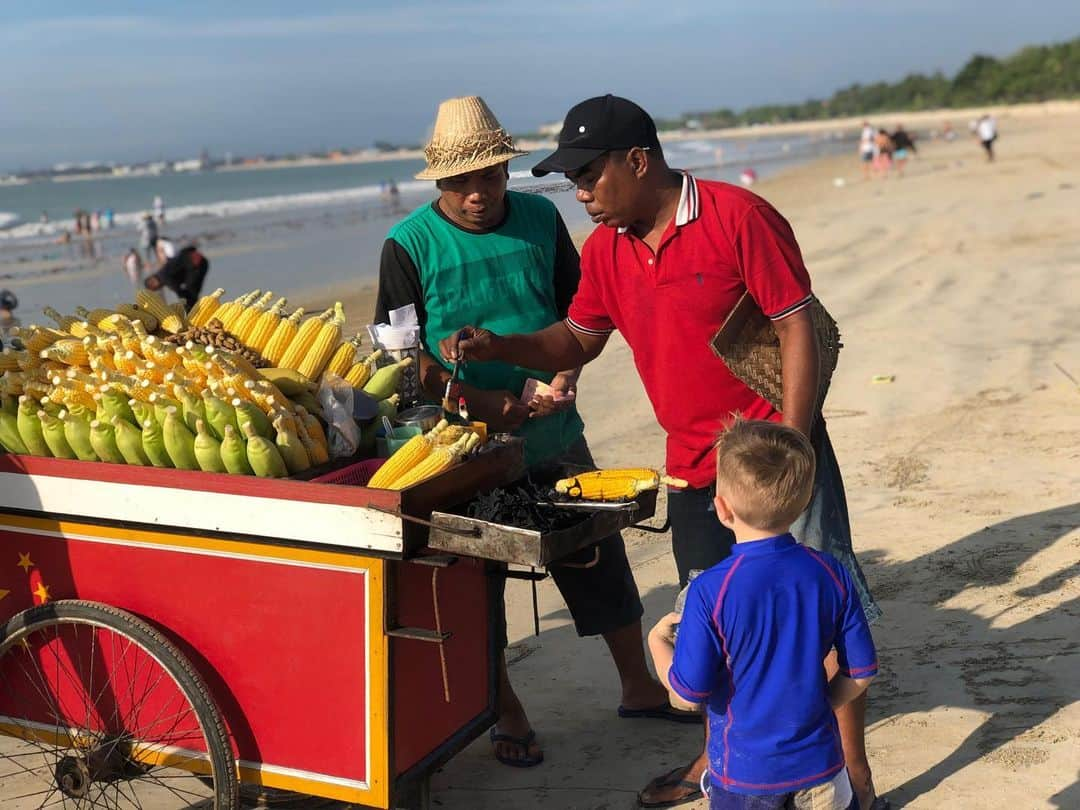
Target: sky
(131,81)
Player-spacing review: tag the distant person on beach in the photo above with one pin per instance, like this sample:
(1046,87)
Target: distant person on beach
(750,639)
(488,255)
(947,132)
(148,236)
(673,257)
(44,218)
(883,146)
(986,130)
(159,210)
(395,198)
(8,302)
(77,219)
(184,274)
(866,149)
(903,143)
(110,218)
(95,222)
(133,266)
(166,249)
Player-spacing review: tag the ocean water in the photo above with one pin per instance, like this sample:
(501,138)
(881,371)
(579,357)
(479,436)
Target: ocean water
(286,229)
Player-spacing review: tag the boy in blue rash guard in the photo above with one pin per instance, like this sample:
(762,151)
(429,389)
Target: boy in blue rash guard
(755,630)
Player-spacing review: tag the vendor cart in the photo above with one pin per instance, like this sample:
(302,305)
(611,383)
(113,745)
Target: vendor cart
(170,639)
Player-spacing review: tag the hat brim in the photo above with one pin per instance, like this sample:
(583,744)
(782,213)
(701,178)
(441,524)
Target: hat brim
(442,172)
(567,159)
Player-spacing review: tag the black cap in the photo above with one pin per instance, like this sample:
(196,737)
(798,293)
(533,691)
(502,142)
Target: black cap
(595,126)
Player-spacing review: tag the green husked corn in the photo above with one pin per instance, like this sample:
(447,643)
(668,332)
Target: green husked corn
(249,412)
(115,403)
(179,441)
(103,440)
(9,434)
(291,448)
(77,433)
(192,408)
(161,406)
(129,442)
(263,455)
(207,449)
(384,382)
(234,453)
(218,414)
(154,444)
(52,429)
(142,411)
(30,427)
(51,408)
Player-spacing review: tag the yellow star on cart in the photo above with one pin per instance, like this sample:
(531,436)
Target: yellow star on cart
(3,593)
(42,592)
(25,563)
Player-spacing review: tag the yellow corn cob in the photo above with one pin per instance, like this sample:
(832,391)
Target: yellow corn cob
(70,393)
(614,485)
(407,457)
(180,311)
(437,461)
(112,323)
(228,319)
(135,313)
(63,322)
(72,352)
(316,450)
(156,306)
(305,339)
(322,348)
(360,372)
(243,323)
(342,359)
(311,424)
(205,307)
(226,311)
(35,338)
(262,328)
(283,336)
(8,360)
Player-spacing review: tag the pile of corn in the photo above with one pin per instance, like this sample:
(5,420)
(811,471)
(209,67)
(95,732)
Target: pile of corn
(614,485)
(99,387)
(425,456)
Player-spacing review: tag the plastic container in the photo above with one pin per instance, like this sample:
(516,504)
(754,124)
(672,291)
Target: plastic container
(424,417)
(386,446)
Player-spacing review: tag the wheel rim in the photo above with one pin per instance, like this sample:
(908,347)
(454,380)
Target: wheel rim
(95,719)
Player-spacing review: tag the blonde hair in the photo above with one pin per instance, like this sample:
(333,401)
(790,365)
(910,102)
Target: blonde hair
(765,471)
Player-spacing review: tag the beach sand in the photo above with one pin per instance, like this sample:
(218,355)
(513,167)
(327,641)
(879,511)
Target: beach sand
(961,284)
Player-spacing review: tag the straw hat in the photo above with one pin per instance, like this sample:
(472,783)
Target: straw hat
(467,137)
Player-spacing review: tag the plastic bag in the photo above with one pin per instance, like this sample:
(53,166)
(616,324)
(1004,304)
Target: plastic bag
(342,433)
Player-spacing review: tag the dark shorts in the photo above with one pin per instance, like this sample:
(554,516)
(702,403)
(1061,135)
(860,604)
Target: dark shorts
(699,541)
(596,583)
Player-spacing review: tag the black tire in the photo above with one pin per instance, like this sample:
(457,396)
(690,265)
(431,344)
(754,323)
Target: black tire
(23,627)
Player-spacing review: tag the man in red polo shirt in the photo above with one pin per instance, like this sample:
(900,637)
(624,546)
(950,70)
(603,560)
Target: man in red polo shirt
(676,255)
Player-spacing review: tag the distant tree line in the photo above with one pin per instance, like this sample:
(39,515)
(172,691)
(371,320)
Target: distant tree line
(1036,73)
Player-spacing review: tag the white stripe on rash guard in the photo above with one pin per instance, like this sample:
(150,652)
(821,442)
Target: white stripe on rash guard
(792,309)
(577,327)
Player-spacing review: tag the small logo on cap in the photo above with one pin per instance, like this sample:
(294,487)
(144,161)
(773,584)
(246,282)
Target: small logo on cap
(581,130)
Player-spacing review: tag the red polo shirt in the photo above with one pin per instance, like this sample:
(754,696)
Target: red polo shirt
(722,241)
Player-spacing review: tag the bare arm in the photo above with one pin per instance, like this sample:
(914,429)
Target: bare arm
(554,349)
(799,368)
(500,410)
(843,690)
(662,648)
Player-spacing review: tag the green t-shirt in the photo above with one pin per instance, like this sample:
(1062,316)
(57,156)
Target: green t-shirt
(503,279)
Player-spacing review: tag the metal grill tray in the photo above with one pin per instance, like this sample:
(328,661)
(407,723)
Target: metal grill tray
(473,537)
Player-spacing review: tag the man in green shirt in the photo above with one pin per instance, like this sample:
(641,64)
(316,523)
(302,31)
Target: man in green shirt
(482,254)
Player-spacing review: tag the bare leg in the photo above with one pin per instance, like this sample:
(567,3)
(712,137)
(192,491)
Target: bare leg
(512,719)
(852,721)
(667,788)
(640,690)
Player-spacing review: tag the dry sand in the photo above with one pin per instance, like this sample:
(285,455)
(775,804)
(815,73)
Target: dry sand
(961,281)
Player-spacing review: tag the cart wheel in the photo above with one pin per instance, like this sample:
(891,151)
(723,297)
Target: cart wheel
(99,710)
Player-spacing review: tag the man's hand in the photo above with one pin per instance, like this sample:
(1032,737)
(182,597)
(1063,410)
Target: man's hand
(500,410)
(152,282)
(469,343)
(563,393)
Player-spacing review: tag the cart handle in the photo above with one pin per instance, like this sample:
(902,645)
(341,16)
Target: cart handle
(473,532)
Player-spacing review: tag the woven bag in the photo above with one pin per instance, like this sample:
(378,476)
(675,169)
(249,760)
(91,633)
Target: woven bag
(750,348)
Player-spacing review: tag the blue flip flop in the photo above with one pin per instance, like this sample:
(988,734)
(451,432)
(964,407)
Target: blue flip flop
(524,742)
